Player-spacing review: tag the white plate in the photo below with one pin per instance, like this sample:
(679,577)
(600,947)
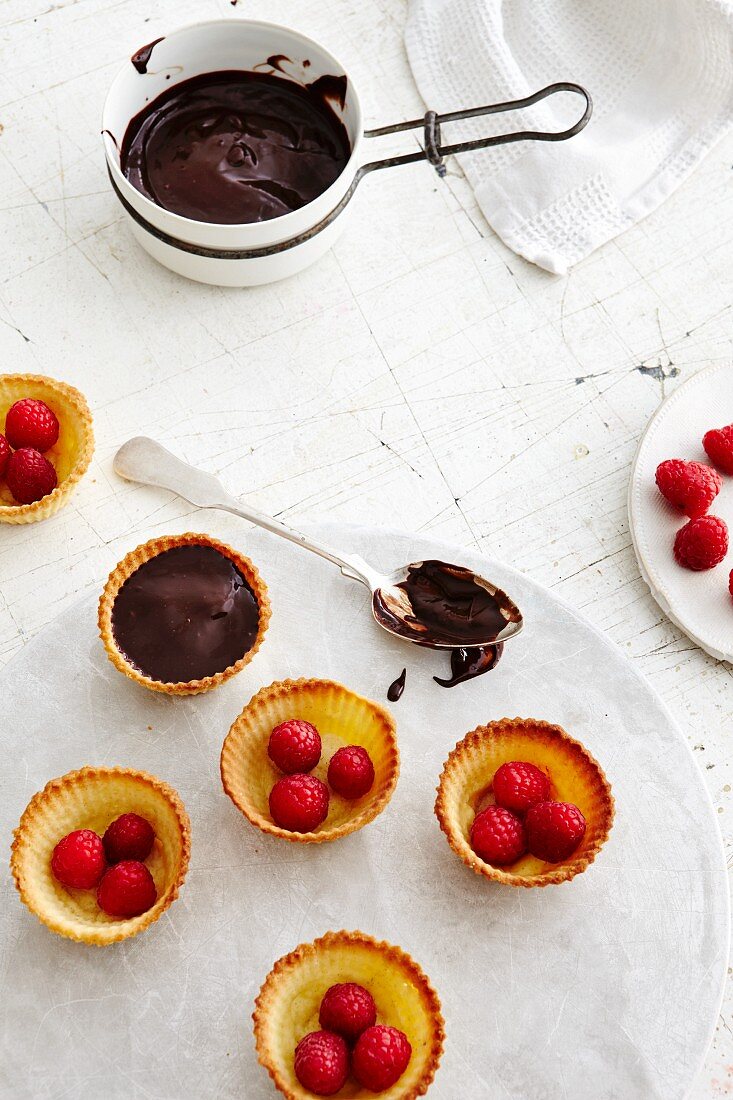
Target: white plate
(698,603)
(606,988)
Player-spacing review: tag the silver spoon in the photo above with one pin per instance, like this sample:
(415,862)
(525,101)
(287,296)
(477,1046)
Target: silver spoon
(145,461)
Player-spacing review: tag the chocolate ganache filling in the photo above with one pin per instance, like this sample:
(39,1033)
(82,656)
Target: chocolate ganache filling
(237,146)
(444,605)
(185,614)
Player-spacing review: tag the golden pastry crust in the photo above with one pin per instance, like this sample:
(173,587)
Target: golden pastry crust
(70,456)
(91,798)
(287,1008)
(137,557)
(342,718)
(575,776)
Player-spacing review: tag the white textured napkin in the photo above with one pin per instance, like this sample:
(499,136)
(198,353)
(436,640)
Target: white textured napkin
(661,76)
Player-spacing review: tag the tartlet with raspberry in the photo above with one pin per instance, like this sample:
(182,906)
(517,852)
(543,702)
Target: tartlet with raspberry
(556,800)
(182,614)
(41,464)
(352,777)
(289,1007)
(63,845)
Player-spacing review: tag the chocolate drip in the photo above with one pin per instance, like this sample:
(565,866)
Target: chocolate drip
(235,147)
(141,57)
(185,614)
(331,88)
(394,692)
(467,662)
(446,605)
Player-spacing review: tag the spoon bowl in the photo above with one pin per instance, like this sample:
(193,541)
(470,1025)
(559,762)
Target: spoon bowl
(468,610)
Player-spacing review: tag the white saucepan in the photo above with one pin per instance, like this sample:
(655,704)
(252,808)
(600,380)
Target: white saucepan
(252,253)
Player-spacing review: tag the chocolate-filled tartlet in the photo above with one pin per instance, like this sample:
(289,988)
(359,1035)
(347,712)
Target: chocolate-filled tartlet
(183,613)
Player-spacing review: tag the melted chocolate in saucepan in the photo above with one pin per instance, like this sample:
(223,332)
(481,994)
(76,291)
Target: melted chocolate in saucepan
(237,146)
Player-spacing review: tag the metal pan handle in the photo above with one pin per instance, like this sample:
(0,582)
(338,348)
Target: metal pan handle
(435,152)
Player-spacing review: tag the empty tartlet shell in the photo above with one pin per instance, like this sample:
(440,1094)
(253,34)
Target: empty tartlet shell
(70,456)
(342,718)
(288,1004)
(91,798)
(137,557)
(575,776)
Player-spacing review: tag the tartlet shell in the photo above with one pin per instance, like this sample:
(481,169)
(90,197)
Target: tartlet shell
(70,456)
(91,798)
(575,775)
(285,1012)
(343,718)
(145,552)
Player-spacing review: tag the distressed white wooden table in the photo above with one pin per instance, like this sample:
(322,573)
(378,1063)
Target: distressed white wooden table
(421,375)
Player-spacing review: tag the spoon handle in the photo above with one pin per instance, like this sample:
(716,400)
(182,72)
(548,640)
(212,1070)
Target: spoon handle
(143,460)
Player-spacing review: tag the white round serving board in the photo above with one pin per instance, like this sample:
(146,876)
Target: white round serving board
(606,988)
(698,603)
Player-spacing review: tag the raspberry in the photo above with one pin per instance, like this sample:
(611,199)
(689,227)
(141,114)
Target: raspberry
(78,860)
(127,889)
(381,1056)
(294,746)
(498,836)
(299,803)
(322,1062)
(5,453)
(351,772)
(30,423)
(348,1009)
(718,444)
(518,785)
(554,830)
(689,486)
(129,837)
(29,475)
(730,582)
(701,543)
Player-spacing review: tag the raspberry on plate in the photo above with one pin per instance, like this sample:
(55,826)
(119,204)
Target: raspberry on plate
(348,1009)
(127,889)
(322,1062)
(718,444)
(498,836)
(554,830)
(128,837)
(690,486)
(78,860)
(5,453)
(30,423)
(29,475)
(701,543)
(381,1056)
(299,803)
(294,746)
(351,772)
(518,785)
(730,582)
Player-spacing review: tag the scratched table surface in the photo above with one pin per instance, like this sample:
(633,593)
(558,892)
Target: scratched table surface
(421,375)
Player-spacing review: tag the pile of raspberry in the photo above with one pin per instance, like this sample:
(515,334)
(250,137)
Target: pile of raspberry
(691,487)
(299,801)
(351,1041)
(31,428)
(525,819)
(112,864)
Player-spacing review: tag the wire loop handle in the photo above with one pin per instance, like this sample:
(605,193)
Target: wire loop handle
(432,122)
